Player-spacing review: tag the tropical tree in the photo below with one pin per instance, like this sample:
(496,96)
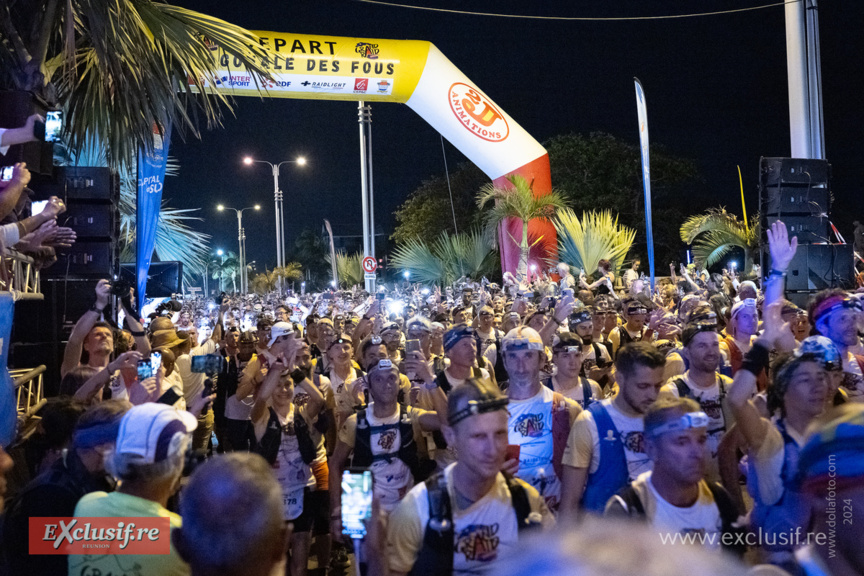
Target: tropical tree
(518,202)
(597,236)
(120,68)
(225,267)
(447,258)
(716,232)
(349,268)
(268,280)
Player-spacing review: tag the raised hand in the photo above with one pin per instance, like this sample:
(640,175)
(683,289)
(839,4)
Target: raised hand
(782,249)
(103,292)
(777,334)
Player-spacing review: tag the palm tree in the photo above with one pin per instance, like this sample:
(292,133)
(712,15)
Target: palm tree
(597,236)
(716,232)
(517,202)
(226,266)
(349,268)
(268,280)
(120,68)
(447,259)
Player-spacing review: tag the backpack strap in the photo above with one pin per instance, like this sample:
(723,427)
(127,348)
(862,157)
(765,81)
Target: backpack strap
(521,504)
(683,389)
(587,393)
(436,555)
(547,382)
(728,517)
(629,500)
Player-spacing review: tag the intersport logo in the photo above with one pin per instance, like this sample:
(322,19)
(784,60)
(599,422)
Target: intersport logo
(55,535)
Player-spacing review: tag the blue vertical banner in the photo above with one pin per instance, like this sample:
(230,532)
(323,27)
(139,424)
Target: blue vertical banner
(642,113)
(8,403)
(151,176)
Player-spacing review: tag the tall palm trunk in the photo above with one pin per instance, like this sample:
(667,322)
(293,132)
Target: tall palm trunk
(522,269)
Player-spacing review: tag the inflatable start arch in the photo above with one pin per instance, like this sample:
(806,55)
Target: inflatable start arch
(415,73)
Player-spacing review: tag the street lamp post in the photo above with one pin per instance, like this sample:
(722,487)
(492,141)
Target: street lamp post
(241,241)
(219,252)
(277,202)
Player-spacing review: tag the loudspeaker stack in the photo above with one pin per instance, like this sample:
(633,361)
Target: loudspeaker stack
(797,191)
(40,329)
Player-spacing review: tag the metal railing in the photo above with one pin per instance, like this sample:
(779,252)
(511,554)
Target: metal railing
(24,275)
(28,391)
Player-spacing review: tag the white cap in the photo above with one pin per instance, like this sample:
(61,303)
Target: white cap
(280,329)
(154,431)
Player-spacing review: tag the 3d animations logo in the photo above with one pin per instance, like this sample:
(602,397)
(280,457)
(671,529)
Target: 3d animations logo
(477,113)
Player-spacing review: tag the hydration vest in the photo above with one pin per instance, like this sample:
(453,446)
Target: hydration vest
(435,558)
(587,394)
(727,509)
(268,446)
(407,453)
(790,511)
(612,474)
(684,391)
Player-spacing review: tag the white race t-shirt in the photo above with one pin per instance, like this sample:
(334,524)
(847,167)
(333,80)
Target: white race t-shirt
(486,534)
(291,472)
(530,427)
(702,519)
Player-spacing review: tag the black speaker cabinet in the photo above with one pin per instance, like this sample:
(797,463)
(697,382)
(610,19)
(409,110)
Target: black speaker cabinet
(817,267)
(808,229)
(163,280)
(91,220)
(800,171)
(80,183)
(796,200)
(86,259)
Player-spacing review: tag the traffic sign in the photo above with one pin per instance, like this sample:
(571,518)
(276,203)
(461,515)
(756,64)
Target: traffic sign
(370,264)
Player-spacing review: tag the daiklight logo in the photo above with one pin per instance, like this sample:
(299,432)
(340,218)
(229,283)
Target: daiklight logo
(477,113)
(99,535)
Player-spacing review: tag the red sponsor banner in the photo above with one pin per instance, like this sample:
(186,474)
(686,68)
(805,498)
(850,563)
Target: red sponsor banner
(55,535)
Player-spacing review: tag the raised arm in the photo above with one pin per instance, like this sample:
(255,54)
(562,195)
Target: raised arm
(782,251)
(72,354)
(11,194)
(559,314)
(95,383)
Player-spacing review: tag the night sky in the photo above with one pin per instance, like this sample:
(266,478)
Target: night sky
(716,92)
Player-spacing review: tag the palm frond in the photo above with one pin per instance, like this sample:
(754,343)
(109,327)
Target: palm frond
(716,232)
(129,65)
(417,257)
(349,268)
(597,236)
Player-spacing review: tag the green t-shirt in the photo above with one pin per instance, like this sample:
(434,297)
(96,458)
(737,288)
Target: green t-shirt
(117,504)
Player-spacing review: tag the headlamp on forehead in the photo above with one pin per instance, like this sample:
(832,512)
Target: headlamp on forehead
(572,350)
(511,344)
(833,304)
(475,407)
(384,364)
(685,422)
(375,340)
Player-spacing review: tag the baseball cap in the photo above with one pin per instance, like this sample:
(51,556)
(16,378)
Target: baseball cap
(579,316)
(455,334)
(522,338)
(389,326)
(693,328)
(280,329)
(564,340)
(383,364)
(152,432)
(342,339)
(636,307)
(746,303)
(823,349)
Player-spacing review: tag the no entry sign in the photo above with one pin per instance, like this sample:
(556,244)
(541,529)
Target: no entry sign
(370,264)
